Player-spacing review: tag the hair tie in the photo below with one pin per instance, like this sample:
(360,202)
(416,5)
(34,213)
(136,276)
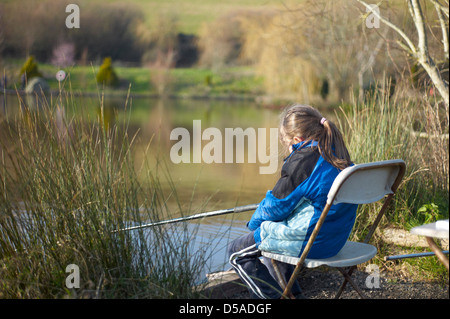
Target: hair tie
(322,120)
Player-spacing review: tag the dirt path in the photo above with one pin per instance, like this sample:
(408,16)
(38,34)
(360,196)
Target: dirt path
(323,284)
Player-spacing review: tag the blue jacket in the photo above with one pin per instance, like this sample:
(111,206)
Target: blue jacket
(286,217)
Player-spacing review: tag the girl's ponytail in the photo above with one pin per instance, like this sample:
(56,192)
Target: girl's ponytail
(307,122)
(332,146)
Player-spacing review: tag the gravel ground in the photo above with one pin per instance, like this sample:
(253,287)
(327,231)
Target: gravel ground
(319,284)
(323,285)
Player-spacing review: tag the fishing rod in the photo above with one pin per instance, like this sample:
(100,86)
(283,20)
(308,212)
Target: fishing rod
(386,258)
(239,209)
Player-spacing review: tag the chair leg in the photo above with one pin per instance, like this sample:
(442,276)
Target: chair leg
(344,283)
(437,251)
(347,278)
(367,239)
(280,279)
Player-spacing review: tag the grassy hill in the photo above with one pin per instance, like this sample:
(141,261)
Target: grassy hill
(193,13)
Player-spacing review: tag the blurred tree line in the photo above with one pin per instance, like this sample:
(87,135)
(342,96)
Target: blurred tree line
(117,30)
(310,48)
(38,28)
(321,48)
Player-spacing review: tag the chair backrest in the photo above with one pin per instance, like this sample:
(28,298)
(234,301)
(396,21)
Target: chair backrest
(366,183)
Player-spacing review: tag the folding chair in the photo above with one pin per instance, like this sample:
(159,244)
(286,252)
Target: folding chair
(358,184)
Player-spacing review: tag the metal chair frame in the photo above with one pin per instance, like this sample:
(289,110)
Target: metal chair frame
(345,267)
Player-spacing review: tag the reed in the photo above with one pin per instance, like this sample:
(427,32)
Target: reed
(65,186)
(383,128)
(386,128)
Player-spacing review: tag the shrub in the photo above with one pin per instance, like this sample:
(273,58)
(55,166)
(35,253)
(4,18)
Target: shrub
(106,75)
(220,41)
(30,69)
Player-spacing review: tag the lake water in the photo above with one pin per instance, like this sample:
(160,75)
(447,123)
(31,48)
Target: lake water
(200,186)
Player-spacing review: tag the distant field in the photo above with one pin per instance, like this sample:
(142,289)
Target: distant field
(231,81)
(192,14)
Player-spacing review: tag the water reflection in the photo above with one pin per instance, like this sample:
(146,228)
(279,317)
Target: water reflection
(152,121)
(225,184)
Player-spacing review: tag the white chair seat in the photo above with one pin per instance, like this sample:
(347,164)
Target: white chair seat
(353,253)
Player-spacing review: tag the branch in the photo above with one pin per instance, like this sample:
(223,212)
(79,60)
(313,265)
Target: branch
(411,46)
(421,54)
(417,16)
(439,10)
(444,9)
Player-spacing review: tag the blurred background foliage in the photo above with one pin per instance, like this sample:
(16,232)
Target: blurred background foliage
(304,49)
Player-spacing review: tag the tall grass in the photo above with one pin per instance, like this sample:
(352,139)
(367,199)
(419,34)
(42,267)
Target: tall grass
(383,128)
(66,185)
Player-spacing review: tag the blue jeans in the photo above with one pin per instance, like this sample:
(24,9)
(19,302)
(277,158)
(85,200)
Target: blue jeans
(258,276)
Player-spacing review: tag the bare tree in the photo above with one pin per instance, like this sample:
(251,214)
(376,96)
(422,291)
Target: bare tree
(311,45)
(329,36)
(420,51)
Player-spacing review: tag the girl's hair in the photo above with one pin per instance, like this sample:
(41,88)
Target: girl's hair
(306,122)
